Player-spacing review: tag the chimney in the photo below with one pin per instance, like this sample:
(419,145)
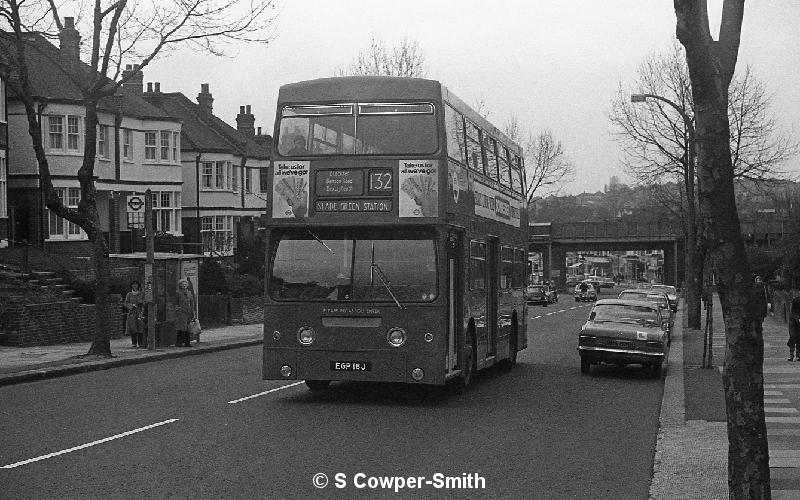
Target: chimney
(205,100)
(245,121)
(70,45)
(134,86)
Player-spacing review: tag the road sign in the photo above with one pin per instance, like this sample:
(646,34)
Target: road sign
(136,204)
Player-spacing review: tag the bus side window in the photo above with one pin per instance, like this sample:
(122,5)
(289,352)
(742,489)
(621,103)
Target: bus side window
(454,128)
(477,267)
(490,148)
(520,264)
(505,170)
(506,267)
(517,175)
(474,154)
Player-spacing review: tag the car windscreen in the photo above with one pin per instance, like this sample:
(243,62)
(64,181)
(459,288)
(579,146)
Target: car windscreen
(362,265)
(622,313)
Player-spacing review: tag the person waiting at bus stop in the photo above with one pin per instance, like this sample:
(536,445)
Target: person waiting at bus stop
(184,313)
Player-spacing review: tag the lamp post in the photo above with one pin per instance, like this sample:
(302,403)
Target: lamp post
(692,281)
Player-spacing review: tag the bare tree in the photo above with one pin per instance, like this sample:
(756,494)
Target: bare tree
(119,30)
(547,166)
(711,66)
(404,59)
(657,140)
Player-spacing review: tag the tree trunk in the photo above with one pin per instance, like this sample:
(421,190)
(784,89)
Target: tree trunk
(101,344)
(694,285)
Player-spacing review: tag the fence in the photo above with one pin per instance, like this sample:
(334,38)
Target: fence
(222,309)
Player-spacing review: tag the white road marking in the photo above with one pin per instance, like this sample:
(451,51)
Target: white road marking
(264,393)
(87,445)
(536,317)
(562,311)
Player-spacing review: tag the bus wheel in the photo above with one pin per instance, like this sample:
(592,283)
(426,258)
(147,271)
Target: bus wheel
(318,385)
(463,380)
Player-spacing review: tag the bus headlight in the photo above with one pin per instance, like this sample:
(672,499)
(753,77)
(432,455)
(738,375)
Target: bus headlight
(276,335)
(286,371)
(305,335)
(417,374)
(396,337)
(428,337)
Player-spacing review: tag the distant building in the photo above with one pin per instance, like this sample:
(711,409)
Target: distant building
(137,149)
(224,170)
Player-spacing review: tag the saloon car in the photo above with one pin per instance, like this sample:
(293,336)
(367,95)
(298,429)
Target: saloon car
(589,294)
(623,332)
(657,297)
(672,294)
(537,294)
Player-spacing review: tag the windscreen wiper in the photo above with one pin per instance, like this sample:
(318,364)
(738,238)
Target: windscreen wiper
(320,241)
(386,284)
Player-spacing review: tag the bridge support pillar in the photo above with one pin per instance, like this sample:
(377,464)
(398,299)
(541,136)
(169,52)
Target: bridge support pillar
(558,266)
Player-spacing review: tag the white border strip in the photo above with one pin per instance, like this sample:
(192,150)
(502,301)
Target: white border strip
(264,393)
(87,445)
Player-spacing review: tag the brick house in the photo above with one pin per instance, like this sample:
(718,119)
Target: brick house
(224,169)
(138,148)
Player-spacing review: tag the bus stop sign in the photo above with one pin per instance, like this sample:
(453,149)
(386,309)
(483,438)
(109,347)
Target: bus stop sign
(136,204)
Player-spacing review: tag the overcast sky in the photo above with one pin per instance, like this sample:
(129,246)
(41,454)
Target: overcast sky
(553,63)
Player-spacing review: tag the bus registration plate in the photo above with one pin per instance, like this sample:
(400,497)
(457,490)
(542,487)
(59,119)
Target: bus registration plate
(351,366)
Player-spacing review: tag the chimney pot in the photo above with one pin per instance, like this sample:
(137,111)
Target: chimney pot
(241,110)
(204,88)
(158,86)
(248,109)
(69,22)
(259,130)
(149,87)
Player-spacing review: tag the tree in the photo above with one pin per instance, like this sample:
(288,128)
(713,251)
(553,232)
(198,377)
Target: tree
(656,140)
(547,166)
(404,59)
(711,66)
(119,30)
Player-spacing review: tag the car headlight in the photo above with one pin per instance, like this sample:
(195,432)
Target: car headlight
(305,335)
(396,337)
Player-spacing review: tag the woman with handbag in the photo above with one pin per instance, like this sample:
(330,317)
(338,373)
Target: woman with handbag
(184,313)
(134,322)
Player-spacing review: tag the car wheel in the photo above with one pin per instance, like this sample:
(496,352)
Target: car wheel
(586,365)
(318,385)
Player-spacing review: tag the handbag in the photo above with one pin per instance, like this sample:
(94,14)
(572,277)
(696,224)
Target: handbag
(194,327)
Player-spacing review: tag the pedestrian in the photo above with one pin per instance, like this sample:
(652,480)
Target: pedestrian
(134,324)
(794,330)
(760,293)
(184,313)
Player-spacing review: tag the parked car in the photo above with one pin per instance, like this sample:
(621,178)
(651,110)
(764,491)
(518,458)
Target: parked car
(657,297)
(672,294)
(607,282)
(536,294)
(586,294)
(623,332)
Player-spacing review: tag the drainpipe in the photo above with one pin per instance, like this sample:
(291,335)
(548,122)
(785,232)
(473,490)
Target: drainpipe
(197,199)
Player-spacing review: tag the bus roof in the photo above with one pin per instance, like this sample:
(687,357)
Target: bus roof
(378,88)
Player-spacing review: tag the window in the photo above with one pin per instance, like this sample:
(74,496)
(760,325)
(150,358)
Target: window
(127,144)
(166,135)
(263,179)
(235,178)
(477,267)
(73,133)
(517,175)
(246,180)
(506,267)
(490,149)
(56,132)
(166,211)
(503,166)
(150,145)
(3,184)
(59,228)
(219,178)
(520,268)
(175,147)
(102,141)
(454,128)
(2,100)
(208,175)
(474,153)
(217,233)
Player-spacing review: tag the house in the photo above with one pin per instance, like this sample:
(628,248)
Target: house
(3,164)
(224,170)
(138,148)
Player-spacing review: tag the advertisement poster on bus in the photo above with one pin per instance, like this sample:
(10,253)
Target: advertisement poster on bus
(419,188)
(492,204)
(290,192)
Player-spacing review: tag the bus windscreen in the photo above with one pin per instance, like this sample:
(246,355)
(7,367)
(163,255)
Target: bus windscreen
(364,267)
(376,129)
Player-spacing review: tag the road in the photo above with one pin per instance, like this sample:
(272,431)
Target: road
(208,427)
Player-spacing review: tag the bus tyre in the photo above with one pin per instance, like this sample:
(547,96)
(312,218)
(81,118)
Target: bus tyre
(318,385)
(586,365)
(467,371)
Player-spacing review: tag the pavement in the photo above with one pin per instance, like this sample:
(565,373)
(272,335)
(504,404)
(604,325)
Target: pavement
(691,449)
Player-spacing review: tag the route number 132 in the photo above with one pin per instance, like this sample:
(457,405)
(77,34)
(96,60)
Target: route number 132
(380,180)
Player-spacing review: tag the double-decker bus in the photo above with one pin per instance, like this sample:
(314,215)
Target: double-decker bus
(396,236)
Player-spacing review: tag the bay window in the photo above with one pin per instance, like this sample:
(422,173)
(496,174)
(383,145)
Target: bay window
(102,141)
(217,233)
(60,229)
(166,210)
(150,145)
